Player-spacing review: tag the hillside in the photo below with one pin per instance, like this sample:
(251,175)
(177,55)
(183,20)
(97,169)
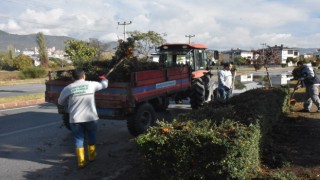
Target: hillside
(22,42)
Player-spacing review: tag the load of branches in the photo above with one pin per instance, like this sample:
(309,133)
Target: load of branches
(122,64)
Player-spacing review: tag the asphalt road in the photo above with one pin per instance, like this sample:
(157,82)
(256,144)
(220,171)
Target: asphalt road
(17,90)
(35,145)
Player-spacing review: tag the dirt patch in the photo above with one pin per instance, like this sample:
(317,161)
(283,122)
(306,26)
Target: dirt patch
(297,141)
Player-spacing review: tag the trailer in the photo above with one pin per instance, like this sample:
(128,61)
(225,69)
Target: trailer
(184,74)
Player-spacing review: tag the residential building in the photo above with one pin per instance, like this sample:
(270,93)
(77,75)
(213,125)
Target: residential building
(34,54)
(288,53)
(285,53)
(234,54)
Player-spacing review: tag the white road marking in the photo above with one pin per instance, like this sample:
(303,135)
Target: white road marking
(28,129)
(18,108)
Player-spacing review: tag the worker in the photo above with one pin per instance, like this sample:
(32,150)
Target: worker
(225,81)
(310,80)
(79,99)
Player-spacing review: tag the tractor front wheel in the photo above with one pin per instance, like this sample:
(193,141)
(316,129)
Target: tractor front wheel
(143,118)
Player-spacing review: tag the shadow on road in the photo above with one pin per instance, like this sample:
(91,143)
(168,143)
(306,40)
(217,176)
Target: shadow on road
(44,149)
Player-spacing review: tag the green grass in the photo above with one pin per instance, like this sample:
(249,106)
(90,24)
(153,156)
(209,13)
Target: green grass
(21,98)
(8,78)
(26,81)
(9,75)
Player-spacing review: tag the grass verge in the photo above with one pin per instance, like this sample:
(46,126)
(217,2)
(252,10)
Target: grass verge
(21,98)
(26,81)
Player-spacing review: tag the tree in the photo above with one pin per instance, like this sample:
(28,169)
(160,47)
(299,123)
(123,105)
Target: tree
(145,42)
(6,59)
(265,57)
(80,52)
(22,62)
(242,60)
(10,51)
(43,53)
(101,48)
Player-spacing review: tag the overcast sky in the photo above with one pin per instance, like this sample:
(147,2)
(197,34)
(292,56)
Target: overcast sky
(221,24)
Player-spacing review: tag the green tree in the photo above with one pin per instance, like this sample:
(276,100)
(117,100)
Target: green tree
(43,53)
(242,60)
(145,42)
(6,59)
(266,56)
(11,52)
(101,48)
(80,52)
(22,62)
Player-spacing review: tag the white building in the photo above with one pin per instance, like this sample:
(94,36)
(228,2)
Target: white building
(288,53)
(245,77)
(52,52)
(236,53)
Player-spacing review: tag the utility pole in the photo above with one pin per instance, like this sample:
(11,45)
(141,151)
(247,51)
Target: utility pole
(190,36)
(124,28)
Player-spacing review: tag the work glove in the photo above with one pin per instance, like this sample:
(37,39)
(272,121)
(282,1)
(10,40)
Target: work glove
(103,76)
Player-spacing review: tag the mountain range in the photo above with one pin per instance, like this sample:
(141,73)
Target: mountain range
(28,42)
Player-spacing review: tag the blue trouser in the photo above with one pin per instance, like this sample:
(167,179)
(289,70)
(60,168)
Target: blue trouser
(80,130)
(224,92)
(312,95)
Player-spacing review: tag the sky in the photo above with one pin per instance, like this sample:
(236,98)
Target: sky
(220,24)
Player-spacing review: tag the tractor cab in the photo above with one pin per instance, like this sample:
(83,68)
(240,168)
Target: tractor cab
(193,55)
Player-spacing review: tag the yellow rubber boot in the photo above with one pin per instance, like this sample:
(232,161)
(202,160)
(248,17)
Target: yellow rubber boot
(81,157)
(92,152)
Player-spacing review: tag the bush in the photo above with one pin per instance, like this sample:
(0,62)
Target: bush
(223,140)
(22,62)
(200,150)
(33,72)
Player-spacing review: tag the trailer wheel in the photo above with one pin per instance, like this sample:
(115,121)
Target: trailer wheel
(66,122)
(197,93)
(141,120)
(161,104)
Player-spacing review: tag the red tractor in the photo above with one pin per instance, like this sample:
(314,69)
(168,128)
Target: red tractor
(193,56)
(185,74)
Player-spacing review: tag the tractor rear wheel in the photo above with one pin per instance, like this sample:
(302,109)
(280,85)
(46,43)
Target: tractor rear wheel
(197,97)
(141,120)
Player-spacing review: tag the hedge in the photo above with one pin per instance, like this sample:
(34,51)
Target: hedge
(223,140)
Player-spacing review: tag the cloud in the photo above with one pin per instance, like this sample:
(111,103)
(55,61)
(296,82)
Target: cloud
(221,24)
(13,25)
